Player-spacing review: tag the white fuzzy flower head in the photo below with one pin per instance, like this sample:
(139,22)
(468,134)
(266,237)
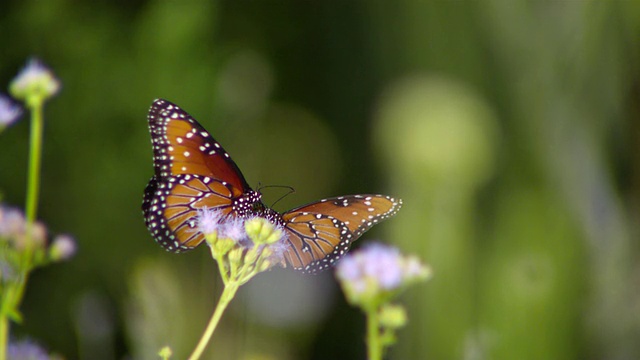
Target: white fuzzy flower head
(35,83)
(9,112)
(12,222)
(233,229)
(209,220)
(383,264)
(62,248)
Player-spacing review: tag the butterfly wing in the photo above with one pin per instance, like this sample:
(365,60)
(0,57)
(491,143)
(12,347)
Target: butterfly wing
(192,171)
(182,146)
(318,234)
(171,206)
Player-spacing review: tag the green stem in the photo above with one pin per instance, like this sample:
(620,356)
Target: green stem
(4,336)
(227,295)
(374,345)
(221,266)
(35,155)
(9,296)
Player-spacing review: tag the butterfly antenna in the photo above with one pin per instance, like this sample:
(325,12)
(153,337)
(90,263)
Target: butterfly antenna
(290,191)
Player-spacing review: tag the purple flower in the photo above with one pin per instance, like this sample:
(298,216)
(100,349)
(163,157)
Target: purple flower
(9,111)
(382,263)
(12,222)
(379,263)
(26,350)
(63,247)
(349,271)
(377,268)
(209,220)
(233,229)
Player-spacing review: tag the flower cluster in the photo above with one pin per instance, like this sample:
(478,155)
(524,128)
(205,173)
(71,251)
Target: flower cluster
(242,247)
(16,237)
(27,350)
(375,273)
(13,227)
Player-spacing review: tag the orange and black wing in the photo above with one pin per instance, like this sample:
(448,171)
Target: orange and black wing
(182,146)
(192,171)
(318,234)
(171,204)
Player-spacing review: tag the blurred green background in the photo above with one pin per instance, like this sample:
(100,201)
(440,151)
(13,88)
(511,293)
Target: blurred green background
(510,129)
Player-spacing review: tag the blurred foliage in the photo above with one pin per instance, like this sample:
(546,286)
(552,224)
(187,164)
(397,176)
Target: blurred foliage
(510,129)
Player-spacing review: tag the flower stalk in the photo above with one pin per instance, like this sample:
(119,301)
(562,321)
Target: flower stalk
(242,250)
(374,343)
(35,157)
(228,294)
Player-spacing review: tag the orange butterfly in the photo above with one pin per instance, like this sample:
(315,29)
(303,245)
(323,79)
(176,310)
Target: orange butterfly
(193,171)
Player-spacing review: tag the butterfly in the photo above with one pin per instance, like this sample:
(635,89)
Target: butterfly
(192,171)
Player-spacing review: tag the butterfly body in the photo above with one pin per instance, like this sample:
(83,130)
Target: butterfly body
(193,171)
